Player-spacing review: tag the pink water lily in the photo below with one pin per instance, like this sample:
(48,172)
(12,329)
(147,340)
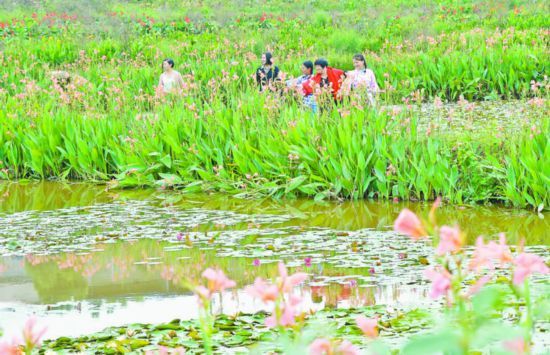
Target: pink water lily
(369,326)
(263,290)
(409,224)
(450,241)
(256,262)
(526,265)
(441,281)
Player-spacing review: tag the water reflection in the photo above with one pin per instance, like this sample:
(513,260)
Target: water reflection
(116,274)
(348,215)
(121,283)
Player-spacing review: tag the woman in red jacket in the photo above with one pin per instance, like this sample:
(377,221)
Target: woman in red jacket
(325,77)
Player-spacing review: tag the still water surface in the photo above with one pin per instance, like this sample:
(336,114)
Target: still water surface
(82,258)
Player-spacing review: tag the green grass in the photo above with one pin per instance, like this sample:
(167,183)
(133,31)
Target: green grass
(111,125)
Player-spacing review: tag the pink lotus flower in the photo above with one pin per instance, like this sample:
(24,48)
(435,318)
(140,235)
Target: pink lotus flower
(450,240)
(217,281)
(441,281)
(517,346)
(369,326)
(307,262)
(262,290)
(527,264)
(408,223)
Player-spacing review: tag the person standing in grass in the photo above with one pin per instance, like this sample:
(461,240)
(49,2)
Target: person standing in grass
(297,83)
(362,79)
(267,73)
(307,71)
(170,80)
(327,79)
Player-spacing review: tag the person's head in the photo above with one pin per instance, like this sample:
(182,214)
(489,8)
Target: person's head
(266,58)
(359,62)
(167,64)
(321,65)
(307,67)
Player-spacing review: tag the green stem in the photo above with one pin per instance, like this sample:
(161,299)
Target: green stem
(529,314)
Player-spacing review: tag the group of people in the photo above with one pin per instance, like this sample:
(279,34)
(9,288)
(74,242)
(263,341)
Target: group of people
(317,77)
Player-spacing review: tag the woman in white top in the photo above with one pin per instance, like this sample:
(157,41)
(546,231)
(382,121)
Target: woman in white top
(170,80)
(362,78)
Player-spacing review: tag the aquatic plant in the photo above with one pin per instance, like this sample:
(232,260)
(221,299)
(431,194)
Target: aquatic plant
(31,339)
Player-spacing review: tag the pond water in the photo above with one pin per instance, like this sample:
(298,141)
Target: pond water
(82,258)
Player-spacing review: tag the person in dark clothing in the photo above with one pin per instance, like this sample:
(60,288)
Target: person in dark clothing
(267,73)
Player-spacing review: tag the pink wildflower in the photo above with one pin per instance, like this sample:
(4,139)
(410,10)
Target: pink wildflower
(441,281)
(323,346)
(485,254)
(10,349)
(450,240)
(262,290)
(369,326)
(162,350)
(287,318)
(217,281)
(408,223)
(347,348)
(320,346)
(478,285)
(32,336)
(527,264)
(288,282)
(517,346)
